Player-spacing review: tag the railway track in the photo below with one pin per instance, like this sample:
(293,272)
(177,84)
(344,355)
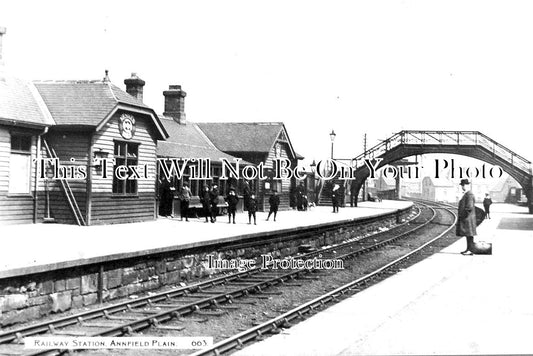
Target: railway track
(285,320)
(212,296)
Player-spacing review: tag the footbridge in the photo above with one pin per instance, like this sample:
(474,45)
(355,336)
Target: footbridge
(472,144)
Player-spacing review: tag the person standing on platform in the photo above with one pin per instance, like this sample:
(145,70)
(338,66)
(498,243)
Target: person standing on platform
(185,197)
(353,194)
(166,196)
(335,198)
(232,199)
(274,205)
(466,222)
(487,202)
(205,199)
(214,203)
(300,191)
(246,194)
(252,208)
(305,202)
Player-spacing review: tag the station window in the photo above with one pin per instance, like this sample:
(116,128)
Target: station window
(126,154)
(277,186)
(20,164)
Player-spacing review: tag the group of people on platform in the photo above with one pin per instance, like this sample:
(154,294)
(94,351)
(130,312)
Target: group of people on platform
(209,199)
(302,203)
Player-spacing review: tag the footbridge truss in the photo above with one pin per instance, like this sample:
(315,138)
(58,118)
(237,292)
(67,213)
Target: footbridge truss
(466,143)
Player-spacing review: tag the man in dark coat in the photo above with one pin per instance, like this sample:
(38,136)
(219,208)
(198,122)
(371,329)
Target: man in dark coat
(300,192)
(205,199)
(274,205)
(487,202)
(232,199)
(213,196)
(252,208)
(335,198)
(353,193)
(166,196)
(185,197)
(246,193)
(466,222)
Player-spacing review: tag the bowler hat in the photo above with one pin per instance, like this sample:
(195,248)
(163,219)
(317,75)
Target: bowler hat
(464,182)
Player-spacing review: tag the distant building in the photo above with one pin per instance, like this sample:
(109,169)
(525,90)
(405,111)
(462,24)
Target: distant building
(441,190)
(382,187)
(411,188)
(507,190)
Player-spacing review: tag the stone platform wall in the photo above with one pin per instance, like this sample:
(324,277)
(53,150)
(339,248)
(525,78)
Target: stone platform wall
(30,297)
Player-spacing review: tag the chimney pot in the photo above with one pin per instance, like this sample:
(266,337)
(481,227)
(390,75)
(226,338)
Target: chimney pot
(134,86)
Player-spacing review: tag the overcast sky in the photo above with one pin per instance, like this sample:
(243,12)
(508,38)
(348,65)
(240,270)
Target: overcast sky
(357,67)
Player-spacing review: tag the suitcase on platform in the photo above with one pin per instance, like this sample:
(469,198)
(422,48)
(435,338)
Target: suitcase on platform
(482,248)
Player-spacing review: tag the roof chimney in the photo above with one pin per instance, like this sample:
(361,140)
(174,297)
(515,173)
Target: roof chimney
(175,103)
(106,78)
(134,86)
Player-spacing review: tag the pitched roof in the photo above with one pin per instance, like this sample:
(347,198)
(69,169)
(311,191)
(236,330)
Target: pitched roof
(188,141)
(242,136)
(20,103)
(500,184)
(441,182)
(84,103)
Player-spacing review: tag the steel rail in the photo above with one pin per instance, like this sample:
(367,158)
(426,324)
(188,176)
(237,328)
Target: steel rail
(283,319)
(185,309)
(44,327)
(177,312)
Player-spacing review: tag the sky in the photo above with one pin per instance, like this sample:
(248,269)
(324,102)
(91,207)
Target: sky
(356,67)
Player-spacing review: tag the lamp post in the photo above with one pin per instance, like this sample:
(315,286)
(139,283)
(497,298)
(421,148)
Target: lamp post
(315,194)
(332,136)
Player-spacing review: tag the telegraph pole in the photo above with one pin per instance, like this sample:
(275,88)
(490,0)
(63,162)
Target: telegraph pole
(364,157)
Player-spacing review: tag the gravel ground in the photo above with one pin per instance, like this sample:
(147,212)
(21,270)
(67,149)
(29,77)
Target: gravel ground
(270,305)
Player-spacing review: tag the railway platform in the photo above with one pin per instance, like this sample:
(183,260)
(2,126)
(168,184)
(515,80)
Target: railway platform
(38,248)
(448,304)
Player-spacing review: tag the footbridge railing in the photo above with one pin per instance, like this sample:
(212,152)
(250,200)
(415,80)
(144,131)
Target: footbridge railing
(457,138)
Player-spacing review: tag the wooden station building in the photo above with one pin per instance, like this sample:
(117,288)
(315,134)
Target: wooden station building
(50,135)
(22,124)
(258,142)
(96,120)
(63,142)
(187,141)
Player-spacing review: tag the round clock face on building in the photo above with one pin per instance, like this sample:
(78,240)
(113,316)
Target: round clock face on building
(126,126)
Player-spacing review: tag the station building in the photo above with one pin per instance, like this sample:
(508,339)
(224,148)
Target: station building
(51,134)
(63,142)
(97,121)
(258,142)
(58,142)
(22,124)
(186,141)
